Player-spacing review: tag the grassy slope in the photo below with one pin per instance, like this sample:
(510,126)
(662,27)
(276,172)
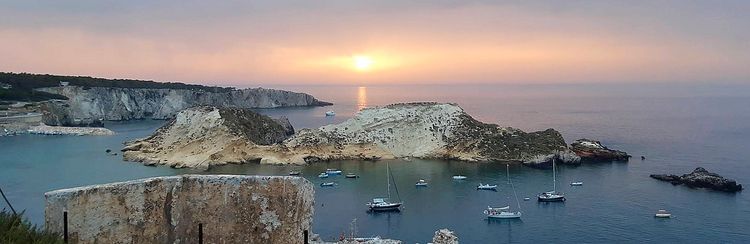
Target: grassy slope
(14,229)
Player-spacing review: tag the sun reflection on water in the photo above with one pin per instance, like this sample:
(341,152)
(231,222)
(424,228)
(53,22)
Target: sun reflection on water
(361,98)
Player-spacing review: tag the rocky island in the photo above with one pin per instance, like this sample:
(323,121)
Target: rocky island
(594,151)
(201,137)
(701,178)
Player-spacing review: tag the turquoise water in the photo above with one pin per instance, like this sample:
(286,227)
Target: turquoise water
(676,128)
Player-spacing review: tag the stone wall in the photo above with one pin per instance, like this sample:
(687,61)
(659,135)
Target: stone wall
(231,209)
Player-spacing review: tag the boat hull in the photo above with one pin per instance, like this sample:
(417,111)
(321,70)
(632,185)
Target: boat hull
(509,216)
(389,207)
(551,199)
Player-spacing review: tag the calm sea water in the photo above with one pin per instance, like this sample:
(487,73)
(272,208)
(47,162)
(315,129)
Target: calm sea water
(677,128)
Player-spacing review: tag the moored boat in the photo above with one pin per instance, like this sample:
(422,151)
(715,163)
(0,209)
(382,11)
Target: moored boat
(323,175)
(459,177)
(324,184)
(552,196)
(505,212)
(294,173)
(662,214)
(487,187)
(502,213)
(421,182)
(330,113)
(385,204)
(333,171)
(352,175)
(577,183)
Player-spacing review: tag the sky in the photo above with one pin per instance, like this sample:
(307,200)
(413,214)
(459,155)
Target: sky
(245,43)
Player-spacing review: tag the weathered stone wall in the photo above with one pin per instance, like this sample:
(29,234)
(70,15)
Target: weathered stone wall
(232,209)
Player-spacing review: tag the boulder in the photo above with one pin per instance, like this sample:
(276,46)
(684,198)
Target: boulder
(444,236)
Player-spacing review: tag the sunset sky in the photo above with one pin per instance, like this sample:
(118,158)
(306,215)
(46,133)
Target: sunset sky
(246,43)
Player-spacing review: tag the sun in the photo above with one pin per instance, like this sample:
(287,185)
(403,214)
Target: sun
(362,62)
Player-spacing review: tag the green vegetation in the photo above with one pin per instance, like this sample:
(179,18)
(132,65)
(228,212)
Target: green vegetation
(15,229)
(23,85)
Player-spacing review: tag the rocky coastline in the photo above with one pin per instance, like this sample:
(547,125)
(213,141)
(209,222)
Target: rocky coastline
(43,129)
(87,105)
(701,178)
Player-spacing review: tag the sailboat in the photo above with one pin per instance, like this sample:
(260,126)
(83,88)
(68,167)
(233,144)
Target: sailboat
(384,204)
(505,212)
(552,196)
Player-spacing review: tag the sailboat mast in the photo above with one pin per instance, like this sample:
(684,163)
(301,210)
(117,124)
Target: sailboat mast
(388,175)
(554,179)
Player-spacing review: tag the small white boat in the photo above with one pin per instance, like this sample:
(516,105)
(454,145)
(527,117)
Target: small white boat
(662,214)
(333,171)
(323,175)
(330,113)
(487,187)
(502,213)
(324,184)
(421,182)
(526,199)
(577,183)
(295,173)
(459,177)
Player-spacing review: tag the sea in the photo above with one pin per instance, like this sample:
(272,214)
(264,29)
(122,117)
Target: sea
(676,127)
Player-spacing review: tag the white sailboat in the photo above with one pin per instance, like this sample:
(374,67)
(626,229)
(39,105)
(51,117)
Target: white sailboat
(505,212)
(552,196)
(384,204)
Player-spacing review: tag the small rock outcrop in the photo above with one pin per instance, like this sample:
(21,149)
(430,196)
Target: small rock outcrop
(444,236)
(89,105)
(204,136)
(595,151)
(230,209)
(701,178)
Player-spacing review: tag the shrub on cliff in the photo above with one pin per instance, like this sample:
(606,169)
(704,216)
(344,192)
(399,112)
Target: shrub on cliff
(15,229)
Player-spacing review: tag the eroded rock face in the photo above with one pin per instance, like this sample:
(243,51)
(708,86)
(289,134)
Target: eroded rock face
(444,236)
(421,130)
(701,178)
(87,104)
(204,136)
(231,208)
(595,151)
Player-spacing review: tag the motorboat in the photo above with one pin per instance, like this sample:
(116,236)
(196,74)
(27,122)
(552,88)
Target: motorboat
(459,177)
(662,214)
(295,173)
(526,199)
(333,171)
(552,196)
(324,184)
(505,212)
(487,187)
(421,182)
(385,204)
(352,175)
(577,183)
(323,175)
(330,113)
(502,213)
